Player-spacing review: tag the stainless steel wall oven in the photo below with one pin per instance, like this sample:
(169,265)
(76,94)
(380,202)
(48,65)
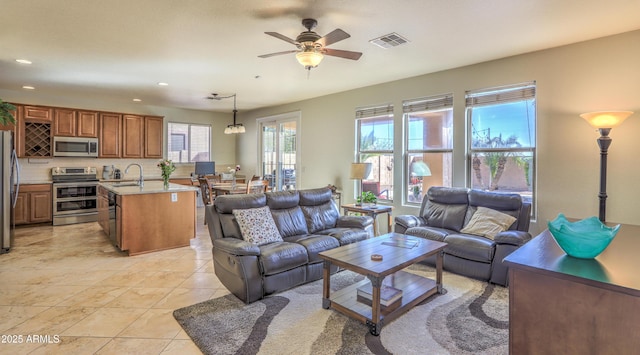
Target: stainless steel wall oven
(75,195)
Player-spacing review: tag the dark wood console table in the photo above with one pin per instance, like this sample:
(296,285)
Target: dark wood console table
(563,305)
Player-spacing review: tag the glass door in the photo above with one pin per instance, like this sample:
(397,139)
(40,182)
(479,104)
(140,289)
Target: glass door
(279,147)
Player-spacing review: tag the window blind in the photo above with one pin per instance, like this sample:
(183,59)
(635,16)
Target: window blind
(428,103)
(368,112)
(501,94)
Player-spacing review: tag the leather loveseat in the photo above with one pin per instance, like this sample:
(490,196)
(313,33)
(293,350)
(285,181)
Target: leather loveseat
(446,214)
(307,221)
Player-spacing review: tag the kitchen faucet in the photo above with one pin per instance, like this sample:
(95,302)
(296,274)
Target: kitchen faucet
(141,180)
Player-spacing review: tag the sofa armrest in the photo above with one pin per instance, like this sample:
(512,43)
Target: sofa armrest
(360,222)
(235,246)
(409,221)
(512,237)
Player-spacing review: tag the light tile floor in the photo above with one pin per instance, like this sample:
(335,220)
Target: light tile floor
(67,290)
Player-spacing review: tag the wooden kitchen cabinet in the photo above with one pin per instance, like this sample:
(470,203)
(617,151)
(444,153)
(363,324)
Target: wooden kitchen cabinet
(64,122)
(103,209)
(34,132)
(34,204)
(72,123)
(110,136)
(38,114)
(21,211)
(87,124)
(142,136)
(132,136)
(153,127)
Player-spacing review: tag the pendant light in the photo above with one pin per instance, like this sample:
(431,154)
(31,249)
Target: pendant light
(235,127)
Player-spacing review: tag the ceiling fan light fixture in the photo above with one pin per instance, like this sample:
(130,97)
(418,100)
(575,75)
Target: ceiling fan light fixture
(309,59)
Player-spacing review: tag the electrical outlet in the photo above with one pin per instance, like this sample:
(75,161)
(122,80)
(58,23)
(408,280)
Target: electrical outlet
(174,197)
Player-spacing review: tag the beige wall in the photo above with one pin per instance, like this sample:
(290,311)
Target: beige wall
(588,76)
(595,75)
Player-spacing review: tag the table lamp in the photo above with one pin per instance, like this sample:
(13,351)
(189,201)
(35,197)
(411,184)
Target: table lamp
(360,171)
(604,121)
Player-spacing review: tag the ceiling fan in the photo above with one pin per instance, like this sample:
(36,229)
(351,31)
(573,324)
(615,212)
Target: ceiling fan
(311,47)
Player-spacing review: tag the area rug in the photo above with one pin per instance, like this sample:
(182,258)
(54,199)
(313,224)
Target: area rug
(470,317)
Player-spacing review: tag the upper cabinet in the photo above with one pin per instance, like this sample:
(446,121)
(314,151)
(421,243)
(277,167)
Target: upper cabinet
(87,124)
(142,136)
(110,138)
(119,135)
(34,138)
(133,136)
(153,137)
(72,123)
(38,114)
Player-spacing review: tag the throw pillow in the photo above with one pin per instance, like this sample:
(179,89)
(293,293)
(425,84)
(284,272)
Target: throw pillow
(486,222)
(257,225)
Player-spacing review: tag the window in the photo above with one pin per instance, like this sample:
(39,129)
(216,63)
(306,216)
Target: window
(374,127)
(502,139)
(188,142)
(429,145)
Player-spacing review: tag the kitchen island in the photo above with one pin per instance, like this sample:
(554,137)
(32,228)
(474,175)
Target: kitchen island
(143,219)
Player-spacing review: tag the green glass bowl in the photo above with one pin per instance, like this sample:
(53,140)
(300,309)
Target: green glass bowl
(583,239)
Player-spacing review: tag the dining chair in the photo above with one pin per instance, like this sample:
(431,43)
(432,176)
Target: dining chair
(206,192)
(257,186)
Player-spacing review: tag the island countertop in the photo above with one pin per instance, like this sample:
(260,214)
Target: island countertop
(150,187)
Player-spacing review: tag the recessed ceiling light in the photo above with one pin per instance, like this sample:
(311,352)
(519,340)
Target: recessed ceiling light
(137,100)
(23,61)
(163,84)
(27,87)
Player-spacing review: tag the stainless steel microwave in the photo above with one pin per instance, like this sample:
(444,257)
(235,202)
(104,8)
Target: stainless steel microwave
(75,147)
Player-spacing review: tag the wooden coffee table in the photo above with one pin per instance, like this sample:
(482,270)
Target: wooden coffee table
(357,258)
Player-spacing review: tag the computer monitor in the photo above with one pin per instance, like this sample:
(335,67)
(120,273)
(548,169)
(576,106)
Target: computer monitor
(205,168)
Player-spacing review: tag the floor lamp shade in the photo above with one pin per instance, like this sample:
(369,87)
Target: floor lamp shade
(604,121)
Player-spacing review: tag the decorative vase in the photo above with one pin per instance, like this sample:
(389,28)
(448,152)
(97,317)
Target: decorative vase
(166,182)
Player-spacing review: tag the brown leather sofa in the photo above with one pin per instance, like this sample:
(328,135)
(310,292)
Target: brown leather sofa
(308,222)
(445,211)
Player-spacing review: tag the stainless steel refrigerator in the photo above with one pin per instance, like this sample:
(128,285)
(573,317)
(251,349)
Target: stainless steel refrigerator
(9,186)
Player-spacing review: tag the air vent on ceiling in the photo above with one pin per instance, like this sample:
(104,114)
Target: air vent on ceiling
(387,41)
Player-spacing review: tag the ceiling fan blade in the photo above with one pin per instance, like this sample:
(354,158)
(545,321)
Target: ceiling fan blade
(342,54)
(282,37)
(333,37)
(277,53)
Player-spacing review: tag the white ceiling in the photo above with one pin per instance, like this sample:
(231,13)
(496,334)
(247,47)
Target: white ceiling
(118,50)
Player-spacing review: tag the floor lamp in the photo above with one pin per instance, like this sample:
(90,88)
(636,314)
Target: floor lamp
(604,121)
(360,171)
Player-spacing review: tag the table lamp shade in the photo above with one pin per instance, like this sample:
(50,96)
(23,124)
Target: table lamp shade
(360,171)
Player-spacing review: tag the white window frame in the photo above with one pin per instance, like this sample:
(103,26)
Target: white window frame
(188,140)
(431,104)
(497,96)
(372,113)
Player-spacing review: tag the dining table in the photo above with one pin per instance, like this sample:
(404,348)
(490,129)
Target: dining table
(229,189)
